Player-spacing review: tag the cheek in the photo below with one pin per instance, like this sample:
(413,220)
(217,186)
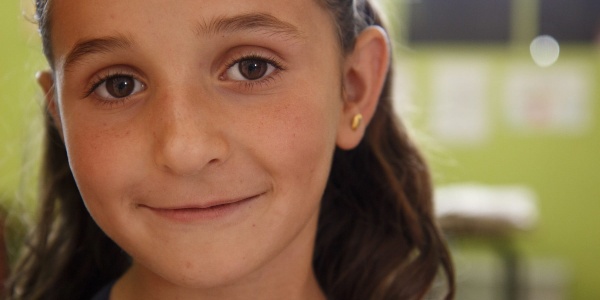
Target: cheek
(99,159)
(297,138)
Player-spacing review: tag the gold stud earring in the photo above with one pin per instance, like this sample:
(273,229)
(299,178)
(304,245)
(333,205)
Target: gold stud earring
(356,120)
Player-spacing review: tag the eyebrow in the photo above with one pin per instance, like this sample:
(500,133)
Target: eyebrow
(100,45)
(251,21)
(248,22)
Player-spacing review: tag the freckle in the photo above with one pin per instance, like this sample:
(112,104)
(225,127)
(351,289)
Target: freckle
(188,265)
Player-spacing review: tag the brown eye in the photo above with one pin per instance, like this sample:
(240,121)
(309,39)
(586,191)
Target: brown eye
(249,69)
(253,69)
(118,86)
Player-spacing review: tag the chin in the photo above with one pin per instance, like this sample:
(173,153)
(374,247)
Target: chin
(202,274)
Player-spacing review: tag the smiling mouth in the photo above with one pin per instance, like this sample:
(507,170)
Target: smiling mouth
(192,213)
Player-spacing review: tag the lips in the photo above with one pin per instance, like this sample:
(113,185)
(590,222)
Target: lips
(198,212)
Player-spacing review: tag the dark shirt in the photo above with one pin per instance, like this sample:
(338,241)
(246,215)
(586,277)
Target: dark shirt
(104,293)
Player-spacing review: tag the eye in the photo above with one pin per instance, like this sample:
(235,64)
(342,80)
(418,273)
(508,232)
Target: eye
(118,86)
(250,69)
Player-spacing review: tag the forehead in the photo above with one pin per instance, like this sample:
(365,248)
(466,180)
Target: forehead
(74,20)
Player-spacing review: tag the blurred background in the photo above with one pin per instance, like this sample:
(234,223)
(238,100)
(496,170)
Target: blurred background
(502,94)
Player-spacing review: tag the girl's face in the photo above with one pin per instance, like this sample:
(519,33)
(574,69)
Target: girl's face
(201,133)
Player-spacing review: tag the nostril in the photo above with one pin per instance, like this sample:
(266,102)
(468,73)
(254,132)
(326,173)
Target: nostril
(187,140)
(184,152)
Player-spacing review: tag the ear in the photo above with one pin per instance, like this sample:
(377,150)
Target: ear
(46,81)
(365,71)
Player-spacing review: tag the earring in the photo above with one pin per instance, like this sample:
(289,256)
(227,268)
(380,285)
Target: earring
(356,120)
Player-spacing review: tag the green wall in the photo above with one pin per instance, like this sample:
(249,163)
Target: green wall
(20,122)
(19,101)
(561,168)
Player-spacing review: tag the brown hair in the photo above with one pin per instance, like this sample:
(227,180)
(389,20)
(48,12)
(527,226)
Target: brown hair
(376,239)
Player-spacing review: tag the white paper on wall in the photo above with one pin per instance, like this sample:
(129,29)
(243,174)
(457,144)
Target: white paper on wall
(548,100)
(460,106)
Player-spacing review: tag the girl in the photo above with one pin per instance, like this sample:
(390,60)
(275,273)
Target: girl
(220,150)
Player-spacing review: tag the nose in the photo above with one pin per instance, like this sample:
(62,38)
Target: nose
(187,135)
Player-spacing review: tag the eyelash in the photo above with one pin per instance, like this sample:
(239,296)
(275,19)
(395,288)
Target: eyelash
(247,84)
(250,84)
(100,79)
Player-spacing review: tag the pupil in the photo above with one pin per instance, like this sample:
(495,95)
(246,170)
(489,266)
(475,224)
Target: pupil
(120,86)
(253,69)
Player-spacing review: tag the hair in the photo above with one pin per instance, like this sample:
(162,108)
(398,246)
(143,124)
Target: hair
(376,239)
